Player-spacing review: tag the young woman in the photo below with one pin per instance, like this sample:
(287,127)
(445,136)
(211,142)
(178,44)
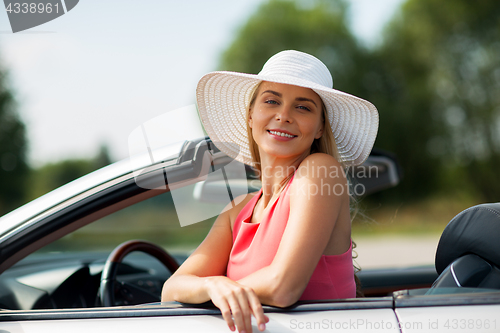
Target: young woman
(291,240)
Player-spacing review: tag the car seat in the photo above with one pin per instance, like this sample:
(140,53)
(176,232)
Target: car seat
(468,253)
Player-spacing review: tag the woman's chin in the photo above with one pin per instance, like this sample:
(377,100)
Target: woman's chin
(282,153)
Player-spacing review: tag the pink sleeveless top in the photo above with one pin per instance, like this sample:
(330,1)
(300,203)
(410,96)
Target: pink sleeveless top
(256,244)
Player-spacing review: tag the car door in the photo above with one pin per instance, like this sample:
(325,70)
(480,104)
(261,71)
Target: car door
(450,310)
(354,315)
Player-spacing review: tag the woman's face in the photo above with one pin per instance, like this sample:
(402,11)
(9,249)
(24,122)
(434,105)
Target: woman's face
(285,120)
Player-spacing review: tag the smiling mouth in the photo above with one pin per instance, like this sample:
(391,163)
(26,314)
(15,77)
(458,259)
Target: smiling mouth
(285,135)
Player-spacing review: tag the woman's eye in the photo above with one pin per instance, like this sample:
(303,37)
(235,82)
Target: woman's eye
(305,108)
(270,101)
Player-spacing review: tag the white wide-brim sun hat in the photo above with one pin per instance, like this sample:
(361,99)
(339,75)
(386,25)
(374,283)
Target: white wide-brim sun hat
(223,99)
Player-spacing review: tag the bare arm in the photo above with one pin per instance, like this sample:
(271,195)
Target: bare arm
(314,212)
(202,278)
(187,284)
(313,217)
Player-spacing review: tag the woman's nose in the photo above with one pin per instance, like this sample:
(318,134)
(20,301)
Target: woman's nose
(284,114)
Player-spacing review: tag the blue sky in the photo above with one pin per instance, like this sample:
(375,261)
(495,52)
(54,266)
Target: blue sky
(96,73)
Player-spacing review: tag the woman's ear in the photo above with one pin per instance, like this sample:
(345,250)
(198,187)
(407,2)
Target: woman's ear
(250,120)
(320,131)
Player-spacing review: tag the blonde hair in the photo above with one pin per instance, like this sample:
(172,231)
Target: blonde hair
(325,144)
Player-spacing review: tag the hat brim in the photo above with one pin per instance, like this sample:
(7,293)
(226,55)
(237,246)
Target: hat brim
(223,98)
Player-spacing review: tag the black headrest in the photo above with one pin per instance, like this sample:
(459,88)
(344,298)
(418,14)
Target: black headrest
(476,230)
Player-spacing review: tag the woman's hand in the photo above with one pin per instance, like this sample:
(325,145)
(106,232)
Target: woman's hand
(236,301)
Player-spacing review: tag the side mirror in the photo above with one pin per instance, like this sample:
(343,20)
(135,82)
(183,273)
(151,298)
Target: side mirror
(380,171)
(216,191)
(222,187)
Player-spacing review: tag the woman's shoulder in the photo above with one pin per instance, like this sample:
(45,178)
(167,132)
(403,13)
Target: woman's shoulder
(233,209)
(319,175)
(320,165)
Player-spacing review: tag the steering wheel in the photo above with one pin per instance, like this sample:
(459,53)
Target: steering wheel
(108,276)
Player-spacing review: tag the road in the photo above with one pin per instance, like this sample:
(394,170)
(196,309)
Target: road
(381,251)
(395,251)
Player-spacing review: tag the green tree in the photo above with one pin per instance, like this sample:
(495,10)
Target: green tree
(53,175)
(316,27)
(14,168)
(321,29)
(435,81)
(439,76)
(102,158)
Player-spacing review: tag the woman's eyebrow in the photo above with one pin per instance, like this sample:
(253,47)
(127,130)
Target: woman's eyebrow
(304,99)
(272,92)
(301,99)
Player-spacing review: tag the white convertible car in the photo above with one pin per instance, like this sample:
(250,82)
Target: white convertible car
(57,276)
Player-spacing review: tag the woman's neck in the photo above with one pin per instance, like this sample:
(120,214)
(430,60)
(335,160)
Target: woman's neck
(275,173)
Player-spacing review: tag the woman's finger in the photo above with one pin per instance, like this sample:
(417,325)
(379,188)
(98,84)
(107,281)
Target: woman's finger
(258,311)
(226,314)
(237,314)
(240,301)
(243,296)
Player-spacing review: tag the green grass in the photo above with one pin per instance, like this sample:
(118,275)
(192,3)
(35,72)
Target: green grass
(155,223)
(425,217)
(158,223)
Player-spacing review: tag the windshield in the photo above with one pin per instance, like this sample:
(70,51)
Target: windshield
(200,182)
(187,183)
